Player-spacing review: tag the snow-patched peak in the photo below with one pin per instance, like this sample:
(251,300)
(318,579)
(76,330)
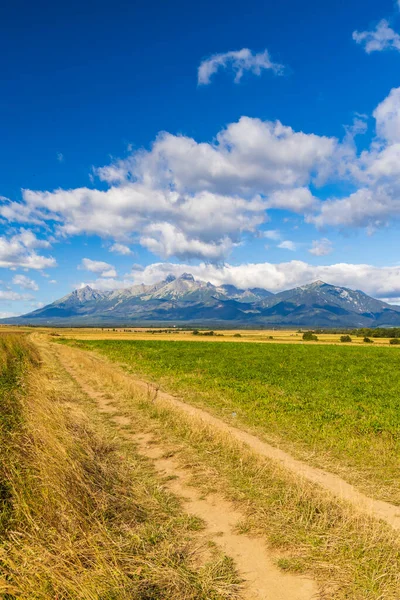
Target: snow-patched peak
(170,278)
(87,293)
(314,285)
(186,277)
(84,294)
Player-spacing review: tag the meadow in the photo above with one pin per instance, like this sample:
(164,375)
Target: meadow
(335,406)
(82,515)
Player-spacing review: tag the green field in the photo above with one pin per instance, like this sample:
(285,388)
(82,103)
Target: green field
(337,407)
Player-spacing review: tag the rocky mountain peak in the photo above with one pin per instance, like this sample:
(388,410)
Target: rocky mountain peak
(186,277)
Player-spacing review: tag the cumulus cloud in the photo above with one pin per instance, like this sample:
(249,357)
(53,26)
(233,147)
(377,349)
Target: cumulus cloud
(272,234)
(120,249)
(25,282)
(380,282)
(188,199)
(166,240)
(14,296)
(238,61)
(298,200)
(367,207)
(15,253)
(375,174)
(383,37)
(28,239)
(98,266)
(191,200)
(321,247)
(287,245)
(387,117)
(7,314)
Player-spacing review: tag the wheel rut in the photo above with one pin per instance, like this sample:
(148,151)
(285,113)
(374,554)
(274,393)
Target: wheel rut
(335,484)
(263,580)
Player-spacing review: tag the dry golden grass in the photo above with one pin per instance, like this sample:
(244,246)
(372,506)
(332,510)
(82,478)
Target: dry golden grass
(287,336)
(353,556)
(86,519)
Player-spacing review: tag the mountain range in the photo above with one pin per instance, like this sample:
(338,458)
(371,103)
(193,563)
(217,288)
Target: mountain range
(184,300)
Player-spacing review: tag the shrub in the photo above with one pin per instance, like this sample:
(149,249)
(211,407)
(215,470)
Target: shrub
(394,341)
(345,338)
(237,335)
(368,340)
(309,336)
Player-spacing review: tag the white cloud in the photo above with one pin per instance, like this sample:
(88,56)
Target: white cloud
(29,239)
(25,282)
(287,245)
(239,61)
(98,266)
(7,314)
(53,281)
(14,296)
(298,200)
(375,175)
(14,253)
(60,157)
(387,116)
(367,207)
(120,249)
(188,199)
(380,282)
(321,247)
(381,38)
(166,240)
(272,234)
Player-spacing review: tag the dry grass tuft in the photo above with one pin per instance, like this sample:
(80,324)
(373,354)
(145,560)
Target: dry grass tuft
(85,520)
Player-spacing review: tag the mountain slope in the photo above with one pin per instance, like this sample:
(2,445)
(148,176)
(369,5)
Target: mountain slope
(186,300)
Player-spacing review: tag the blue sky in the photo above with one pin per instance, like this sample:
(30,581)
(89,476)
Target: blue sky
(254,144)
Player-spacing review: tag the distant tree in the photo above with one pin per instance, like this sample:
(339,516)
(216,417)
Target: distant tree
(309,336)
(394,341)
(345,338)
(237,335)
(368,340)
(195,332)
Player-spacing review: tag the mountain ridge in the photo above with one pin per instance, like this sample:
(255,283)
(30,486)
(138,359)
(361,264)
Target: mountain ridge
(187,300)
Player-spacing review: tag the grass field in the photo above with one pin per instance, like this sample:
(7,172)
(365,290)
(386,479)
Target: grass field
(262,336)
(310,531)
(83,516)
(336,406)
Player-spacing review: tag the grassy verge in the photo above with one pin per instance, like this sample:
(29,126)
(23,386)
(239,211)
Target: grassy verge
(353,556)
(337,407)
(86,519)
(16,357)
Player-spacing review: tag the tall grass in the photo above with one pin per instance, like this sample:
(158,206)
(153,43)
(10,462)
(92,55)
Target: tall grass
(86,519)
(16,356)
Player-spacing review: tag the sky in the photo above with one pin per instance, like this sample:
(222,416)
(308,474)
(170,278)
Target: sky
(256,144)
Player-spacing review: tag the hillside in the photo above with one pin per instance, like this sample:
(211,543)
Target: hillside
(184,300)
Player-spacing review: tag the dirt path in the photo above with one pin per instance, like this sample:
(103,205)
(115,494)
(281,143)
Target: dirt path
(263,580)
(329,481)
